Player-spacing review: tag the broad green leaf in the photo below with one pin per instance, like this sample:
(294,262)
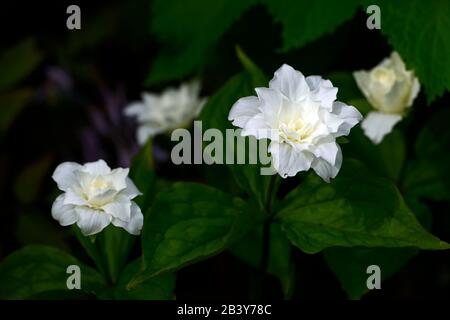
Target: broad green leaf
(11,104)
(191,222)
(114,246)
(18,62)
(249,250)
(418,30)
(215,115)
(428,174)
(350,264)
(355,209)
(37,269)
(155,288)
(190,33)
(386,158)
(304,21)
(142,174)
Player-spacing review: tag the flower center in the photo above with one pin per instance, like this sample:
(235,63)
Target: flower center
(295,130)
(384,76)
(98,184)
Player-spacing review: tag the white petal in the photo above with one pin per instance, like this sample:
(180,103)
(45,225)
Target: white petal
(288,161)
(64,175)
(145,132)
(119,209)
(98,167)
(376,125)
(117,178)
(72,197)
(134,109)
(290,82)
(131,191)
(257,127)
(270,104)
(134,226)
(342,119)
(327,151)
(65,214)
(92,221)
(414,92)
(362,79)
(324,169)
(322,90)
(243,110)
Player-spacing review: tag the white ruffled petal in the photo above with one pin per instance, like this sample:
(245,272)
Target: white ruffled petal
(290,82)
(64,175)
(92,221)
(64,214)
(243,110)
(287,161)
(98,167)
(325,170)
(376,125)
(134,225)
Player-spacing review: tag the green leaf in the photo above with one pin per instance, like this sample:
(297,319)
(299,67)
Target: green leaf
(249,250)
(155,288)
(37,269)
(190,32)
(355,209)
(350,264)
(215,115)
(18,62)
(11,104)
(428,175)
(418,30)
(386,158)
(191,222)
(304,21)
(142,174)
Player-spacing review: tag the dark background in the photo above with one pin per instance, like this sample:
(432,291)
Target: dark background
(85,79)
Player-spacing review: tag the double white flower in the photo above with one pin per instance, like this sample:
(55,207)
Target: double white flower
(95,196)
(302,119)
(390,89)
(173,108)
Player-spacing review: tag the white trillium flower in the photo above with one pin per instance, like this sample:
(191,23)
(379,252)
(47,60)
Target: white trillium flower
(173,108)
(95,196)
(390,89)
(302,119)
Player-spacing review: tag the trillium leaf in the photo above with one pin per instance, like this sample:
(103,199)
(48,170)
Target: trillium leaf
(355,209)
(249,250)
(215,115)
(37,269)
(190,222)
(190,41)
(428,175)
(418,30)
(154,288)
(304,21)
(386,158)
(350,264)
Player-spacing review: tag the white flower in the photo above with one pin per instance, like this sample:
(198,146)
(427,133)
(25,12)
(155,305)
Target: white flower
(390,89)
(95,196)
(302,119)
(174,108)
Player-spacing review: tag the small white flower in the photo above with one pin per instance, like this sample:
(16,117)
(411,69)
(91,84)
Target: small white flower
(173,108)
(302,119)
(95,196)
(390,89)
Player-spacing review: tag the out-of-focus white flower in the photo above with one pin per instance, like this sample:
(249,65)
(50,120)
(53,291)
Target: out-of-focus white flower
(173,108)
(95,196)
(302,119)
(390,89)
